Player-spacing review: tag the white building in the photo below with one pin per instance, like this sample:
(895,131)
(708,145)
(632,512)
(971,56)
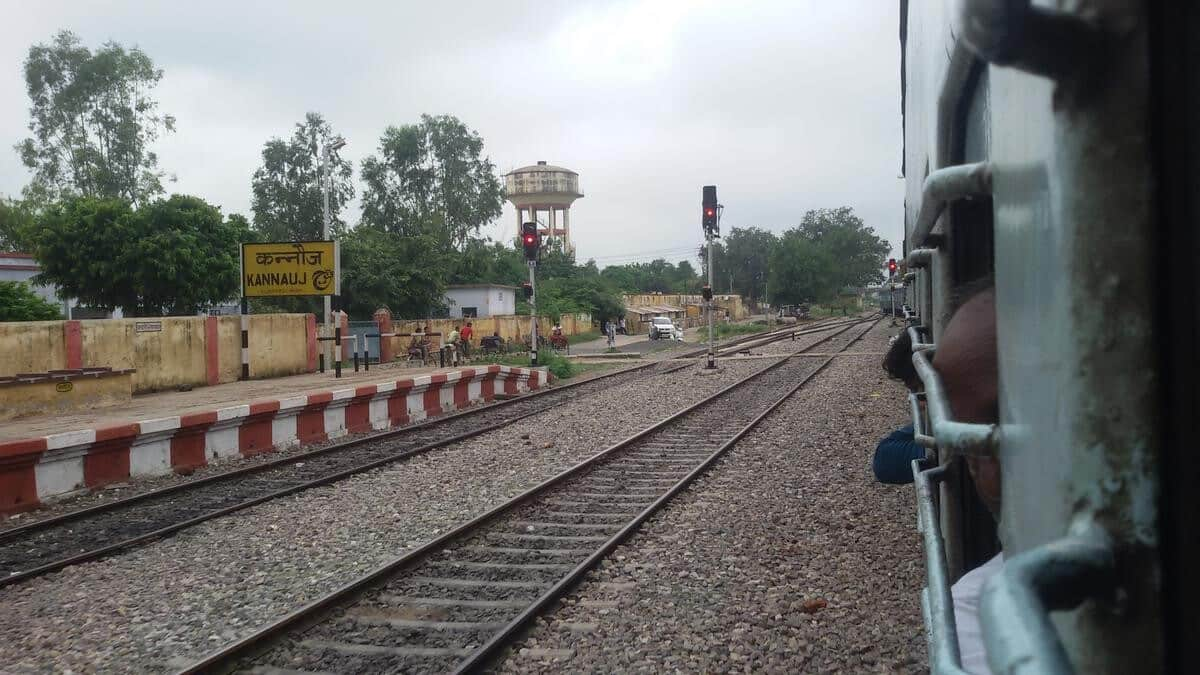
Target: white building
(22,267)
(481,300)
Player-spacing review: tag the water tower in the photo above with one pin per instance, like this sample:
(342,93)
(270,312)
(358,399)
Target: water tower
(550,189)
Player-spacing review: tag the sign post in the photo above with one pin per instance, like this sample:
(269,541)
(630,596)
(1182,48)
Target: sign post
(286,269)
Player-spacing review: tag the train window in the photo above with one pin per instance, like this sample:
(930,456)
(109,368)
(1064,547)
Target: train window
(973,257)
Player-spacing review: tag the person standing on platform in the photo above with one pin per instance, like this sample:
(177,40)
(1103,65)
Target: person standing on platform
(466,334)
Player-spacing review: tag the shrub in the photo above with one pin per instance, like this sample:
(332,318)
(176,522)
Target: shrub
(19,303)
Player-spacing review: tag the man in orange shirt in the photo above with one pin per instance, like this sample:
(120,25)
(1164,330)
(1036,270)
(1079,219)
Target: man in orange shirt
(465,337)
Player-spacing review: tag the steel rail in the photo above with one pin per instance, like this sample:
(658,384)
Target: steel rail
(226,658)
(304,456)
(489,649)
(783,335)
(755,336)
(159,533)
(768,337)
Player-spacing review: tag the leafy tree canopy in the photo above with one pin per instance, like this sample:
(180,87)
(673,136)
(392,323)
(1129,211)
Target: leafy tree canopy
(19,303)
(287,197)
(658,276)
(173,255)
(17,221)
(747,251)
(858,251)
(485,261)
(430,179)
(801,271)
(384,269)
(93,121)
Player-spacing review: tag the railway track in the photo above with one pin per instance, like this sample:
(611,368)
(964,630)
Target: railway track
(731,347)
(87,534)
(454,603)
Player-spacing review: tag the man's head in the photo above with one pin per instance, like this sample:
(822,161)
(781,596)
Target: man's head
(967,362)
(897,363)
(468,324)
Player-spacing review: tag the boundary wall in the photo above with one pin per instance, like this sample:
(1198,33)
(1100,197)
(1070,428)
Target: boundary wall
(36,469)
(732,303)
(510,327)
(166,352)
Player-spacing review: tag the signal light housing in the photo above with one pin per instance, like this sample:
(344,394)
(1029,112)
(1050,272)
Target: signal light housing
(706,292)
(527,289)
(530,240)
(710,210)
(891,265)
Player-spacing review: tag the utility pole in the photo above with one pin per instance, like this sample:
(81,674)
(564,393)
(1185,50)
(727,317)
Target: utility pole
(326,151)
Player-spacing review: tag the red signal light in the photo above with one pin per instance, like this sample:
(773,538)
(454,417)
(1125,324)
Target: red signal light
(892,265)
(529,238)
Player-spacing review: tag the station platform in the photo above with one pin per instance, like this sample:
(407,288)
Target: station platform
(47,456)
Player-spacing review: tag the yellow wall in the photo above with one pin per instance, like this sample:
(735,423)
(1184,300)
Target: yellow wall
(510,327)
(164,359)
(40,398)
(229,354)
(32,347)
(278,344)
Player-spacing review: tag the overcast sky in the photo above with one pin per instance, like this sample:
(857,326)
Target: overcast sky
(785,106)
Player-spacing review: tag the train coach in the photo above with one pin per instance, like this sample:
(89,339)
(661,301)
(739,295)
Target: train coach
(1050,153)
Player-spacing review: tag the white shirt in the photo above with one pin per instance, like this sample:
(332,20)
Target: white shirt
(966,615)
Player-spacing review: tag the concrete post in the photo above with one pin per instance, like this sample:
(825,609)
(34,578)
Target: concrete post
(383,322)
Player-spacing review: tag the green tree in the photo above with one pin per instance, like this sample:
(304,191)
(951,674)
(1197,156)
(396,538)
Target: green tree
(19,303)
(17,220)
(93,122)
(858,251)
(657,276)
(173,255)
(384,269)
(485,261)
(287,197)
(747,252)
(801,270)
(430,179)
(570,295)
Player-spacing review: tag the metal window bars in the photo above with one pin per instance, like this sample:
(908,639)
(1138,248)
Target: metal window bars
(947,435)
(1015,604)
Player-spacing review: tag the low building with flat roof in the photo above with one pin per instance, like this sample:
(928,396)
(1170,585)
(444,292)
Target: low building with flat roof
(477,301)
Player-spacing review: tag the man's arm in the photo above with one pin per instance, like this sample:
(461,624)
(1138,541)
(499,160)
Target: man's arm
(894,455)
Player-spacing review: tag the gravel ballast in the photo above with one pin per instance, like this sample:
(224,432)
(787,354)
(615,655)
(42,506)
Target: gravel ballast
(159,607)
(786,557)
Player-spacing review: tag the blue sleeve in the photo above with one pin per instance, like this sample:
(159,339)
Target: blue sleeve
(894,456)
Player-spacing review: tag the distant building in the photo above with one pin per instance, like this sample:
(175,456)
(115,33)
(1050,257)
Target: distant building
(476,301)
(22,267)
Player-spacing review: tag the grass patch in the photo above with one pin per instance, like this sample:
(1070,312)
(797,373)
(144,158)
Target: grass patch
(724,330)
(562,368)
(826,311)
(583,337)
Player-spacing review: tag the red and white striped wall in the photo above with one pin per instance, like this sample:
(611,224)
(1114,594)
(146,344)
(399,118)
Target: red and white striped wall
(35,469)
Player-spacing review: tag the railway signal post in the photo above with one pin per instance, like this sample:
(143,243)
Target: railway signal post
(710,219)
(892,286)
(531,242)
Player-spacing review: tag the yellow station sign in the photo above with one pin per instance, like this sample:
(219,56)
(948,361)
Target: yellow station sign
(290,268)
